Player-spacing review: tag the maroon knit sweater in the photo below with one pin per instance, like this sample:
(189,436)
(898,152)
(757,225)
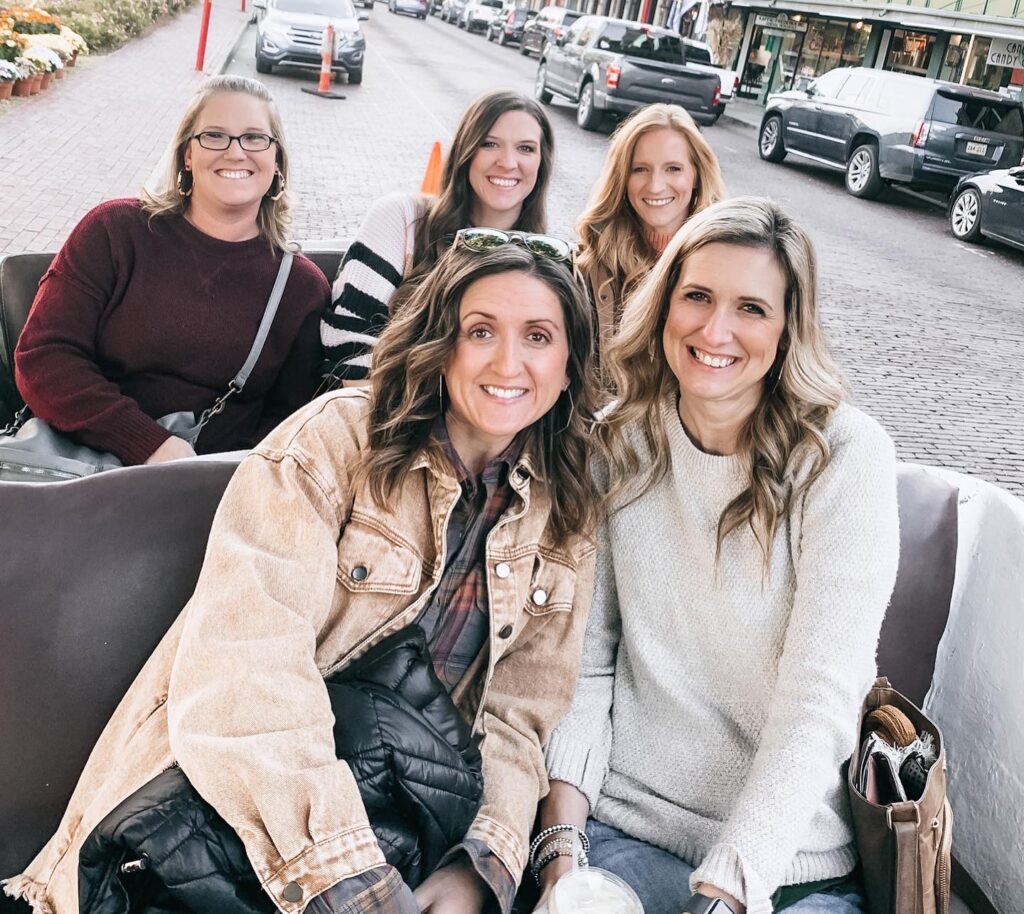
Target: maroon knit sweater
(137,318)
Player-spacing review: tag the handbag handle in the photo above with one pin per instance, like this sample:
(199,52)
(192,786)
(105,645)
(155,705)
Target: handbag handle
(238,381)
(907,871)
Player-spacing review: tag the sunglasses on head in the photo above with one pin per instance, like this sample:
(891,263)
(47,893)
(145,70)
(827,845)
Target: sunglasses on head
(486,239)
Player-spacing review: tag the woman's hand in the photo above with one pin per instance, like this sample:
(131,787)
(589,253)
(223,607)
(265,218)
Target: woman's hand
(705,888)
(453,889)
(554,871)
(172,449)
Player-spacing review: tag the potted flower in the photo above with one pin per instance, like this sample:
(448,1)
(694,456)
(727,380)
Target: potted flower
(9,73)
(61,51)
(32,73)
(77,43)
(48,62)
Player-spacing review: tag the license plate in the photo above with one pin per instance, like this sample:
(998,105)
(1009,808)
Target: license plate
(977,149)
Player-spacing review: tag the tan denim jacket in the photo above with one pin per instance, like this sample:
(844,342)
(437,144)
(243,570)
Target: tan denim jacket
(303,573)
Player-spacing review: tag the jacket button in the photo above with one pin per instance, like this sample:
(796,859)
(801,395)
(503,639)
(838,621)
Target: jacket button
(540,596)
(505,632)
(359,573)
(293,891)
(502,570)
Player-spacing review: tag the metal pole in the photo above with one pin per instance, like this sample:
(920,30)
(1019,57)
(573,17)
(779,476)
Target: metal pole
(204,28)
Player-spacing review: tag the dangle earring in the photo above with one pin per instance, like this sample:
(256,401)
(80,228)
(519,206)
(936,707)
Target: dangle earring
(280,186)
(181,181)
(572,408)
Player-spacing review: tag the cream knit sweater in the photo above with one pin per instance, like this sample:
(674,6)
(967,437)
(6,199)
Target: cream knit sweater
(716,705)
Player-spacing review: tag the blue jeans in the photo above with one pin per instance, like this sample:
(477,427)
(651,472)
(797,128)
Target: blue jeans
(662,880)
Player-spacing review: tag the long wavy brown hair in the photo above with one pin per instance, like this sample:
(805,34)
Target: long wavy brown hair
(451,209)
(802,388)
(610,232)
(414,349)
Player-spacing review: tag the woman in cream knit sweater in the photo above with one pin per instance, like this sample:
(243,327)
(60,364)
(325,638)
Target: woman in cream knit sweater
(746,566)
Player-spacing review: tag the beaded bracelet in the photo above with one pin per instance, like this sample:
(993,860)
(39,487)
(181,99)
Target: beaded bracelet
(555,829)
(548,858)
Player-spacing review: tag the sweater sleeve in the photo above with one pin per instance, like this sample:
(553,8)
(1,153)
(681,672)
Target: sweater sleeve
(249,718)
(372,270)
(55,360)
(579,749)
(846,562)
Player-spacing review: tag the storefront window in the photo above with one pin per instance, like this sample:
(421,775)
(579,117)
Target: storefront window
(832,43)
(856,44)
(909,52)
(774,50)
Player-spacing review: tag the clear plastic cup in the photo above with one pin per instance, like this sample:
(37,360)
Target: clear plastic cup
(591,891)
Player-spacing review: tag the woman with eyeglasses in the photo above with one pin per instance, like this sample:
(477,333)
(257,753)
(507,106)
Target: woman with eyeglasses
(659,171)
(153,304)
(743,572)
(496,174)
(453,494)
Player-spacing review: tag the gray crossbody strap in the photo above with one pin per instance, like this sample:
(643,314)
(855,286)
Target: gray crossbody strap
(268,319)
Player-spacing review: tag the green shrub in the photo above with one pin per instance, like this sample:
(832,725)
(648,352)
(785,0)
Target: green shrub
(105,24)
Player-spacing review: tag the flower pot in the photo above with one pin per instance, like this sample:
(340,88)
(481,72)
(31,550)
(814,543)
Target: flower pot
(71,62)
(58,74)
(37,83)
(47,80)
(22,87)
(5,90)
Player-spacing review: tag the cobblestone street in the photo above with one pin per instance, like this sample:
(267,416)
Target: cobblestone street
(930,332)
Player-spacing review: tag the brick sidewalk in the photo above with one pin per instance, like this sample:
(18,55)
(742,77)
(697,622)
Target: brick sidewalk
(100,132)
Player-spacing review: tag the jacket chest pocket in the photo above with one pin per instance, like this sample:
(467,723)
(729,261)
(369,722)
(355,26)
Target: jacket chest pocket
(552,586)
(370,562)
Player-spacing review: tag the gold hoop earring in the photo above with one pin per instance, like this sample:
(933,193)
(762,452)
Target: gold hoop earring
(181,182)
(280,186)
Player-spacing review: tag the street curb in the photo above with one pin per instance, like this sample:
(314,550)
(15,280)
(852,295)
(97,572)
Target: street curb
(726,116)
(222,65)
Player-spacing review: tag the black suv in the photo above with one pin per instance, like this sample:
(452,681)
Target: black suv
(509,23)
(884,128)
(551,23)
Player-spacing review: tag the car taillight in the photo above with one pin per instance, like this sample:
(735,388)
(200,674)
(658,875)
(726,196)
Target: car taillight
(920,136)
(718,95)
(556,32)
(612,77)
(735,85)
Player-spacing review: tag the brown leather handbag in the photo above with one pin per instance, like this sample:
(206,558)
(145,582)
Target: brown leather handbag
(904,844)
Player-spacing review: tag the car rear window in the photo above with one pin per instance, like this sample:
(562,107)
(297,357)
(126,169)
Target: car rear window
(697,54)
(571,16)
(635,41)
(981,114)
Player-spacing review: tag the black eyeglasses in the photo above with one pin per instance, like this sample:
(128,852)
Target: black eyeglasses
(486,239)
(218,141)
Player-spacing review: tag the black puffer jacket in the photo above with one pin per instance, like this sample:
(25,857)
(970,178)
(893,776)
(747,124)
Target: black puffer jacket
(165,849)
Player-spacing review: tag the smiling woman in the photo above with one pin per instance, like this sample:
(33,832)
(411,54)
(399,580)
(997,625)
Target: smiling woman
(152,305)
(496,174)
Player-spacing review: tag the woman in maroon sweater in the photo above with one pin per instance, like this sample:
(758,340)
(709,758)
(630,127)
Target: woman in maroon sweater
(152,305)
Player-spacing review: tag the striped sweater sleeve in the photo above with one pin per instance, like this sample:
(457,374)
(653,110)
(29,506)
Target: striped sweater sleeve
(371,271)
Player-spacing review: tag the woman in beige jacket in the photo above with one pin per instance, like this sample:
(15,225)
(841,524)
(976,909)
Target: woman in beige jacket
(456,494)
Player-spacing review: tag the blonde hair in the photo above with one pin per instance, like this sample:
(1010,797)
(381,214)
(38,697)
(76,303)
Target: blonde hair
(802,388)
(274,215)
(609,231)
(407,394)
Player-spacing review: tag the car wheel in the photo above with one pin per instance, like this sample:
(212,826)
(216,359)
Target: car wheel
(355,77)
(262,64)
(540,87)
(862,177)
(523,49)
(769,143)
(965,215)
(502,39)
(587,115)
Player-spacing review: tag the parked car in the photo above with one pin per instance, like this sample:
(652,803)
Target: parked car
(508,25)
(417,8)
(697,55)
(892,128)
(289,33)
(451,10)
(989,205)
(477,15)
(551,22)
(614,66)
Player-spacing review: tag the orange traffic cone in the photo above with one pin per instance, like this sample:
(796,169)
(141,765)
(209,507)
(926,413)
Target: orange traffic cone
(326,53)
(432,176)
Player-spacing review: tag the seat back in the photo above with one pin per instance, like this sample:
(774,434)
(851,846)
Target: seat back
(19,281)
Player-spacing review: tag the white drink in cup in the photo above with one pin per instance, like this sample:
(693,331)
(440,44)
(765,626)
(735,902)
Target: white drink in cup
(590,890)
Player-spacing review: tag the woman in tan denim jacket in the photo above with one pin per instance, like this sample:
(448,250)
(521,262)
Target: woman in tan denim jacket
(336,532)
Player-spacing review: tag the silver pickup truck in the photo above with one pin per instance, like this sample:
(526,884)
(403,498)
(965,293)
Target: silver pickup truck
(611,67)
